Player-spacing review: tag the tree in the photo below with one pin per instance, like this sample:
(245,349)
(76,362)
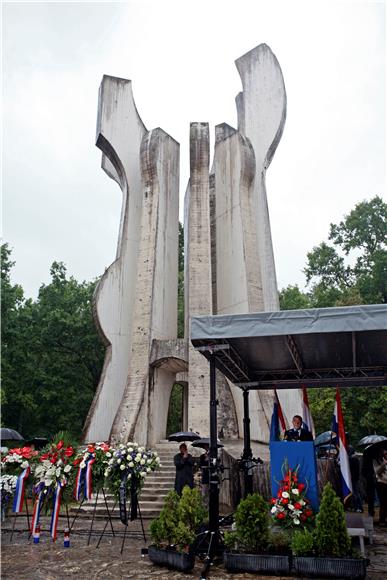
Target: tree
(362,237)
(291,298)
(52,356)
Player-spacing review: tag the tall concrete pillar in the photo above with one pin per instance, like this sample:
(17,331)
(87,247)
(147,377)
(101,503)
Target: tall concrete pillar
(198,271)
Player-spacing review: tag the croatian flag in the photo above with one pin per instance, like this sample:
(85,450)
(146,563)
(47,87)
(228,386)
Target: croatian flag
(306,414)
(277,420)
(338,429)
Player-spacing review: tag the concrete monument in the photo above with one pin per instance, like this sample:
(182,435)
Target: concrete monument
(229,260)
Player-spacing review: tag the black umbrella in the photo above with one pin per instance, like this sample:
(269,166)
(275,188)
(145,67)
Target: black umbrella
(205,442)
(324,438)
(10,435)
(371,439)
(183,436)
(375,449)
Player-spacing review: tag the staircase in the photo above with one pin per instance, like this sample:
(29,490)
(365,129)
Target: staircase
(157,485)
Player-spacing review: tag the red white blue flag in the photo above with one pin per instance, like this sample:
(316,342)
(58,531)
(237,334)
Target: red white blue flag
(55,511)
(306,414)
(339,430)
(277,420)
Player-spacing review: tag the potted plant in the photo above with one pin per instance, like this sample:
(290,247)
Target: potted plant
(174,531)
(248,546)
(327,550)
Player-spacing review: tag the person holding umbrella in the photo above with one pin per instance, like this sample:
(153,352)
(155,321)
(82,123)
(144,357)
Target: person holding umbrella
(184,463)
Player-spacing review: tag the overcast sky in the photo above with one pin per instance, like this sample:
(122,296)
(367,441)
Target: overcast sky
(59,205)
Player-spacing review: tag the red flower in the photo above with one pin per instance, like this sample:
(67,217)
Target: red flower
(44,456)
(285,500)
(105,448)
(69,451)
(59,445)
(54,458)
(91,448)
(15,450)
(295,478)
(303,517)
(308,513)
(297,505)
(280,515)
(279,494)
(273,500)
(301,486)
(77,461)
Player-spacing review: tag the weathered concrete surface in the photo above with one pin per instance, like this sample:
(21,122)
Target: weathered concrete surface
(154,312)
(119,135)
(261,118)
(199,271)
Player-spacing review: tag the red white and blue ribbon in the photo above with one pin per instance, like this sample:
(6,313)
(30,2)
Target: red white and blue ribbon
(89,480)
(20,491)
(55,511)
(37,509)
(83,482)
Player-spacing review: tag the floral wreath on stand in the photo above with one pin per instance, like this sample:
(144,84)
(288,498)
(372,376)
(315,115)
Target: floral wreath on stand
(92,463)
(126,471)
(54,476)
(16,470)
(291,509)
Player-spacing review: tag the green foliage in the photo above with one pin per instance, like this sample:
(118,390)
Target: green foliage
(51,354)
(162,529)
(291,298)
(279,541)
(302,543)
(179,519)
(191,508)
(331,536)
(362,237)
(252,525)
(175,411)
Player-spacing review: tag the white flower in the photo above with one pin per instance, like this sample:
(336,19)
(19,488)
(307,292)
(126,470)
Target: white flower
(137,458)
(141,448)
(130,449)
(131,464)
(148,469)
(122,446)
(296,521)
(273,509)
(108,454)
(106,472)
(122,467)
(301,502)
(118,461)
(285,494)
(59,462)
(149,461)
(142,462)
(290,506)
(24,464)
(111,461)
(47,482)
(158,460)
(57,471)
(295,491)
(82,465)
(67,468)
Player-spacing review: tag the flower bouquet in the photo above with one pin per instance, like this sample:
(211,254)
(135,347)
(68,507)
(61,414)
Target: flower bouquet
(16,467)
(54,478)
(291,509)
(127,469)
(91,463)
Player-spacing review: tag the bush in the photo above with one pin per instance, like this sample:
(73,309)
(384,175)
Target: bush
(331,536)
(302,543)
(279,542)
(252,526)
(179,520)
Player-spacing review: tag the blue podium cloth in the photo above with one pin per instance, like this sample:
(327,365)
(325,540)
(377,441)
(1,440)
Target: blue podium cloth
(300,453)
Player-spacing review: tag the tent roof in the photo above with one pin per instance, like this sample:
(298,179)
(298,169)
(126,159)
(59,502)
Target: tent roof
(344,346)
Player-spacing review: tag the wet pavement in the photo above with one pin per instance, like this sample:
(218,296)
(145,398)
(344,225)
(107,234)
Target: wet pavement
(22,560)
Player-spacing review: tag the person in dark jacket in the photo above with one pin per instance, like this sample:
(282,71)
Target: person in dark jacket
(184,469)
(354,466)
(204,467)
(298,433)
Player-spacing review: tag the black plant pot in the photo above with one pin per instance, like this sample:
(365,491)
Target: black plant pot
(263,563)
(354,568)
(176,560)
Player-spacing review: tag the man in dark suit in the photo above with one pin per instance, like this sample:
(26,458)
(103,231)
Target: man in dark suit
(298,433)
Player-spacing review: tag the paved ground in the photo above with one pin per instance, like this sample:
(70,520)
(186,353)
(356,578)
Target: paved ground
(22,560)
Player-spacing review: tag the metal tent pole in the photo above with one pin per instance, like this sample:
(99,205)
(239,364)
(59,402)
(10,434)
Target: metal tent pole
(213,463)
(247,452)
